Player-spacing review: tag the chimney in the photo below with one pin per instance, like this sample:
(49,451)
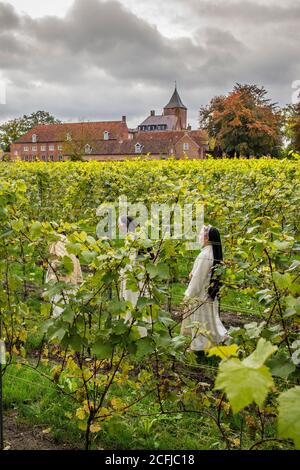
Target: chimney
(124,119)
(152,113)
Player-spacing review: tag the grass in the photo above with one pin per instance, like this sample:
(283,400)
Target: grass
(38,402)
(233,301)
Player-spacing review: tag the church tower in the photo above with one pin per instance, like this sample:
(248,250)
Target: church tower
(175,107)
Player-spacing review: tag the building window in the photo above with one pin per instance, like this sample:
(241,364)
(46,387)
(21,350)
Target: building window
(106,135)
(60,158)
(26,149)
(51,148)
(185,146)
(51,158)
(16,152)
(59,147)
(43,148)
(69,136)
(34,148)
(34,138)
(138,148)
(44,158)
(26,158)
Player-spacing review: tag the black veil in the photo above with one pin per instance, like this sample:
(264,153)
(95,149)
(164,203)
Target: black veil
(215,281)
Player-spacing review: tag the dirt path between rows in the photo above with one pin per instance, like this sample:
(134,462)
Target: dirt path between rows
(20,436)
(237,319)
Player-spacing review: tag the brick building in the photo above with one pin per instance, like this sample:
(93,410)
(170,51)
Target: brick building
(162,136)
(174,117)
(156,145)
(57,142)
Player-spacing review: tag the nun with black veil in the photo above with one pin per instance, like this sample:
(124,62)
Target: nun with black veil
(201,320)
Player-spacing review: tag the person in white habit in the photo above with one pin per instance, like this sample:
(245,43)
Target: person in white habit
(201,321)
(58,250)
(129,224)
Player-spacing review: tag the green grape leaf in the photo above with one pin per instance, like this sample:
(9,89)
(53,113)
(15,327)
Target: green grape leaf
(102,349)
(289,415)
(89,256)
(163,271)
(75,341)
(58,334)
(249,380)
(152,270)
(243,385)
(36,229)
(145,347)
(283,281)
(68,264)
(263,350)
(68,314)
(281,366)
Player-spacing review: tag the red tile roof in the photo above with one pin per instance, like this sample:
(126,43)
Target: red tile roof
(153,142)
(156,143)
(79,131)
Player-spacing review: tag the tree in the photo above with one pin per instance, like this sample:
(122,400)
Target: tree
(244,122)
(79,142)
(12,130)
(292,126)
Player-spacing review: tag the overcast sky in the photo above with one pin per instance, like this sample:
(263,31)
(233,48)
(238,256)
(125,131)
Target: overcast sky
(99,60)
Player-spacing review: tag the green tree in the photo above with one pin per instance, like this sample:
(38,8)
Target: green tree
(292,126)
(12,130)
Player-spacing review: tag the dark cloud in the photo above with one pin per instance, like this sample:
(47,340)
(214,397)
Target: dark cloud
(101,60)
(8,17)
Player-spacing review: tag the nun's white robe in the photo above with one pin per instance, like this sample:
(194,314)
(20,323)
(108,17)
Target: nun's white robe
(132,296)
(201,321)
(59,250)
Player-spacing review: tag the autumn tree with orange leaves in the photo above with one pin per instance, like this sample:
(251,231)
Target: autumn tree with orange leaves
(243,123)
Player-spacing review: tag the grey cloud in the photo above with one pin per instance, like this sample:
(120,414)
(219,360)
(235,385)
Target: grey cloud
(8,17)
(109,36)
(101,60)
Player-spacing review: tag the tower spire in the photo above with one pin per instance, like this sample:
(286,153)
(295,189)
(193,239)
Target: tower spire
(175,101)
(175,107)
